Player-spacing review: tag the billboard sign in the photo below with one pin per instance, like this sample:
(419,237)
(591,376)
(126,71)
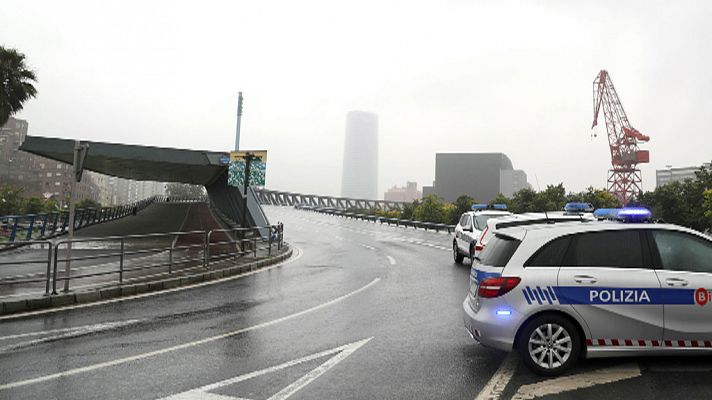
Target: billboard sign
(238,164)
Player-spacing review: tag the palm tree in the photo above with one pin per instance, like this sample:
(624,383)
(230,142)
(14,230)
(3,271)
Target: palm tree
(15,83)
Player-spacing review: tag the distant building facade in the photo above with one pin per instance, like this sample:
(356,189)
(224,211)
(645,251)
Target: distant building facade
(481,176)
(360,168)
(680,174)
(408,193)
(45,178)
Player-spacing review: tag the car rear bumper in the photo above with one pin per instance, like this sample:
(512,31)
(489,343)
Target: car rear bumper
(489,329)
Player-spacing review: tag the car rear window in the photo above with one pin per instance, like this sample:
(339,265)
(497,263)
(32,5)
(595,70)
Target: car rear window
(499,251)
(551,254)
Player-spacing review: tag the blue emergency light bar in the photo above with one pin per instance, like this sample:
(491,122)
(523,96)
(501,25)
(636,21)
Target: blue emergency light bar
(479,207)
(635,214)
(626,214)
(578,207)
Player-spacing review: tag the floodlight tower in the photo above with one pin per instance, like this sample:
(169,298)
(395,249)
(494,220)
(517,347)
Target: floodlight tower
(624,179)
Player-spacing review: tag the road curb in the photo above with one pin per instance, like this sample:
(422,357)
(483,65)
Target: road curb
(45,302)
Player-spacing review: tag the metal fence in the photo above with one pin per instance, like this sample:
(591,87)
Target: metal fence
(119,256)
(383,220)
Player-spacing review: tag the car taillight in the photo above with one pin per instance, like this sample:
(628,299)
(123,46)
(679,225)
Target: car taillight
(479,247)
(495,287)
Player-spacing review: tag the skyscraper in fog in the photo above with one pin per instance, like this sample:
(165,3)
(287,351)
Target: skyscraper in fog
(360,174)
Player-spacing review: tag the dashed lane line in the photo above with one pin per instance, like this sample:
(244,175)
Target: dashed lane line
(391,260)
(150,294)
(120,361)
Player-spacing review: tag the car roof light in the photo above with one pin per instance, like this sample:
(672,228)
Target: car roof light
(479,206)
(606,213)
(578,207)
(635,214)
(499,206)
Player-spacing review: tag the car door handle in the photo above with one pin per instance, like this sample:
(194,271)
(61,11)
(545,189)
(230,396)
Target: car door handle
(676,282)
(585,279)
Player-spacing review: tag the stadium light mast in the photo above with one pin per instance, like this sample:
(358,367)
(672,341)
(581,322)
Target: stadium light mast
(239,118)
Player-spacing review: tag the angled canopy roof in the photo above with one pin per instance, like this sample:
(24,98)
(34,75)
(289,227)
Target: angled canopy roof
(134,162)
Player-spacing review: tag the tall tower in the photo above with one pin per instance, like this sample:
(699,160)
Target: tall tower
(360,173)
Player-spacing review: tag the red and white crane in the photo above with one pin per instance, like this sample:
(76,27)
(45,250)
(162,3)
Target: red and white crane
(624,179)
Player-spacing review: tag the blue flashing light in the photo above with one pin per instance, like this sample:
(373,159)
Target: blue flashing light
(635,214)
(504,312)
(502,207)
(606,213)
(578,207)
(476,207)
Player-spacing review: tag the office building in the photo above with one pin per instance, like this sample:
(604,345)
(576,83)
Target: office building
(680,174)
(360,169)
(481,176)
(408,193)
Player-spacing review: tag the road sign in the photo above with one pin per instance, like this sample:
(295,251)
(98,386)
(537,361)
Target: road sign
(224,159)
(238,165)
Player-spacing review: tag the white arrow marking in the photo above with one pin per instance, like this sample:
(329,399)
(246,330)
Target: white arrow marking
(578,381)
(341,353)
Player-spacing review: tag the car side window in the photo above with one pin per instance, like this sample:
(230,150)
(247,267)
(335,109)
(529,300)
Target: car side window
(682,252)
(615,248)
(463,220)
(551,254)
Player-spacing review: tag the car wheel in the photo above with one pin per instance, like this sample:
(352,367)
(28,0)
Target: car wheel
(472,253)
(456,253)
(549,344)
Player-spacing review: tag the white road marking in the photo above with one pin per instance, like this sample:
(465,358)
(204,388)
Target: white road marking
(58,334)
(341,353)
(578,381)
(391,260)
(494,388)
(367,246)
(158,293)
(183,346)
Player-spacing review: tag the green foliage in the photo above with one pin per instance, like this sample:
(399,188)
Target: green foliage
(88,203)
(600,198)
(11,201)
(502,199)
(430,209)
(16,83)
(33,205)
(409,210)
(51,205)
(707,206)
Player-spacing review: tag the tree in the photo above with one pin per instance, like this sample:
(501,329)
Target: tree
(33,205)
(184,190)
(707,207)
(11,200)
(16,83)
(502,199)
(409,209)
(599,198)
(88,203)
(429,210)
(523,201)
(462,205)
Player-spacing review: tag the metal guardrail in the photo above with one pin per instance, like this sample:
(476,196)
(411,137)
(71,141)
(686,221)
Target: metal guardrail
(46,225)
(383,220)
(198,250)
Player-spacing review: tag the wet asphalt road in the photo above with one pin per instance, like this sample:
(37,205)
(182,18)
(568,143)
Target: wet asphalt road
(362,311)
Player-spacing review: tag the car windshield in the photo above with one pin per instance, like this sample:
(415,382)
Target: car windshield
(481,221)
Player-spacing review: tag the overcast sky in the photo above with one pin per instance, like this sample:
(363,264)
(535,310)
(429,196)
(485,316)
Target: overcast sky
(443,76)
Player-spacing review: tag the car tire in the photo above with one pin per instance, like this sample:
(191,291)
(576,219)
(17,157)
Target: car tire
(559,350)
(472,253)
(456,253)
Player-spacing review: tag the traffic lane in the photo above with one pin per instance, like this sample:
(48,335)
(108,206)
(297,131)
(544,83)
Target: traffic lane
(170,319)
(412,344)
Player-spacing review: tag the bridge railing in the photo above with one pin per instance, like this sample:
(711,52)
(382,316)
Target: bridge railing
(383,220)
(28,227)
(124,256)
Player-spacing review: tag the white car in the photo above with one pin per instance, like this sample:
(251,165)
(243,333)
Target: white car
(558,292)
(470,226)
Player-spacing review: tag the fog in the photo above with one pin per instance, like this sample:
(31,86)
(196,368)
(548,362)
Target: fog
(443,76)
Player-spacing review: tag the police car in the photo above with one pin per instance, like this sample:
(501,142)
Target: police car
(558,292)
(470,227)
(572,212)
